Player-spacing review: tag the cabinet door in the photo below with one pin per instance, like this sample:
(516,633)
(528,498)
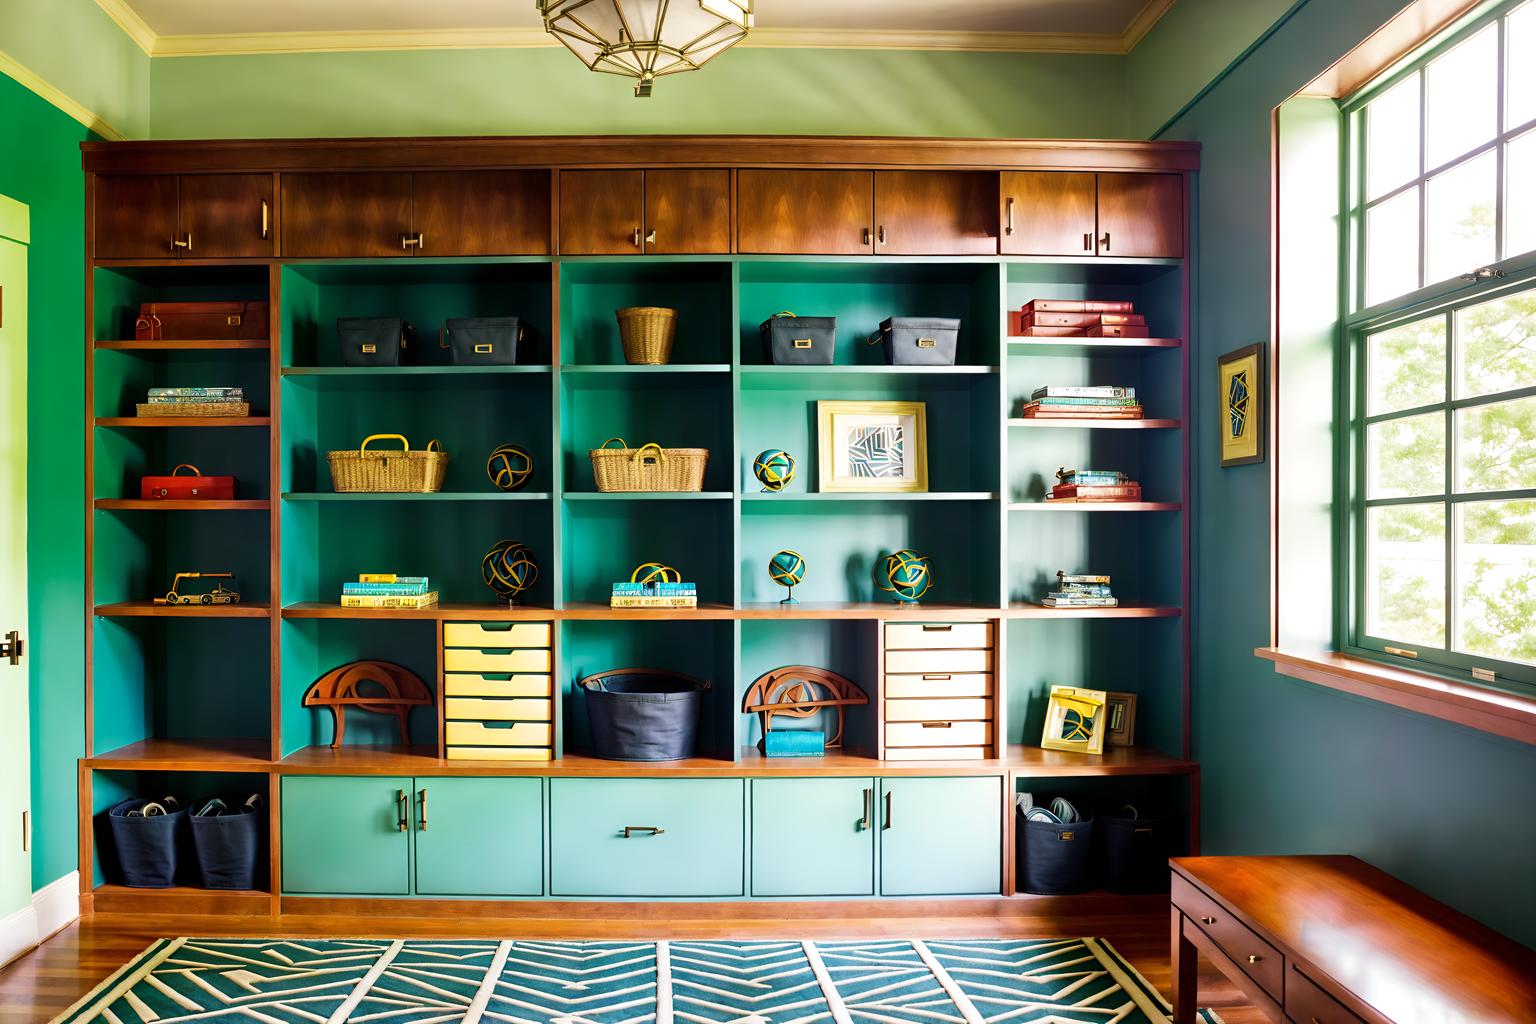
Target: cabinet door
(1141,215)
(482,213)
(687,210)
(941,837)
(684,838)
(342,835)
(135,216)
(479,837)
(1048,213)
(227,215)
(601,212)
(939,213)
(795,211)
(329,215)
(813,837)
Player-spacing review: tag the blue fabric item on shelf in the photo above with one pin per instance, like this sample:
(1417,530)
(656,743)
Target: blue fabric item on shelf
(794,743)
(1061,811)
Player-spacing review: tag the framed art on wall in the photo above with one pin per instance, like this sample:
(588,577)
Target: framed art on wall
(1240,390)
(872,446)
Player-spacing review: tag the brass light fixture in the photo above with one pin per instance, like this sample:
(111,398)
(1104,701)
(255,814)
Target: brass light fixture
(645,39)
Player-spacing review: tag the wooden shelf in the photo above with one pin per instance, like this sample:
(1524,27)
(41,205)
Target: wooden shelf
(488,612)
(385,372)
(1095,506)
(586,610)
(770,377)
(584,369)
(1125,610)
(1098,424)
(149,609)
(816,498)
(875,610)
(119,899)
(1091,346)
(211,755)
(647,495)
(400,496)
(177,505)
(184,421)
(182,345)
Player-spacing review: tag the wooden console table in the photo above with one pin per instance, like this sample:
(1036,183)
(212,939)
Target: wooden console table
(1332,940)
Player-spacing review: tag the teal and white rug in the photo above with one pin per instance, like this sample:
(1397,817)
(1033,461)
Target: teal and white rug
(410,981)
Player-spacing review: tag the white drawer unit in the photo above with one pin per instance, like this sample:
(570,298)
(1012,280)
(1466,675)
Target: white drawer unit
(498,691)
(952,661)
(938,734)
(938,691)
(958,709)
(939,684)
(496,634)
(927,636)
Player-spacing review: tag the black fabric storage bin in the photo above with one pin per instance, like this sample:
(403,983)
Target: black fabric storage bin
(790,340)
(641,714)
(373,340)
(919,341)
(483,340)
(1133,853)
(1055,859)
(229,847)
(150,851)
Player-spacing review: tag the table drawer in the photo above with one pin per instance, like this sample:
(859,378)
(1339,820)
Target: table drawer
(496,634)
(938,753)
(938,734)
(952,661)
(1306,1003)
(496,661)
(932,635)
(493,734)
(939,684)
(500,754)
(960,709)
(500,709)
(1252,955)
(471,684)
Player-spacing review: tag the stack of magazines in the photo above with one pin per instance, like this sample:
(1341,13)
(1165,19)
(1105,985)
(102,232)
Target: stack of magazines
(194,401)
(654,595)
(1093,402)
(386,590)
(1086,485)
(1081,590)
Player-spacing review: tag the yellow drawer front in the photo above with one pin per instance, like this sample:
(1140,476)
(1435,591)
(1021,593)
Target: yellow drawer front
(938,684)
(960,709)
(922,636)
(513,734)
(500,754)
(496,661)
(937,734)
(954,662)
(496,634)
(936,753)
(467,684)
(500,709)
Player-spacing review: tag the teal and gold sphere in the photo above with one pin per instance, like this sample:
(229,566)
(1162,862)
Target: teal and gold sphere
(509,467)
(774,469)
(787,568)
(509,569)
(904,573)
(655,572)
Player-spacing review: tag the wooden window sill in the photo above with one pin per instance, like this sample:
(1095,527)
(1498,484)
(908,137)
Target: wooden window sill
(1503,714)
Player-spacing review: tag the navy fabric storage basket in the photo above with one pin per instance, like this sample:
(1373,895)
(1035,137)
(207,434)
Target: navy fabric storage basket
(150,851)
(1055,859)
(919,341)
(373,340)
(641,714)
(790,340)
(483,340)
(229,847)
(1134,852)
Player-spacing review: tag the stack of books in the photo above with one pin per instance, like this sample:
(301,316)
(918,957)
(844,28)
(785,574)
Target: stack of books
(1081,318)
(1081,590)
(654,595)
(1094,485)
(1082,402)
(386,590)
(194,401)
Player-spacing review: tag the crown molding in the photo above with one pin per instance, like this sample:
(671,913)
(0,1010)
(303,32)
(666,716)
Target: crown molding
(30,80)
(1140,25)
(135,27)
(243,44)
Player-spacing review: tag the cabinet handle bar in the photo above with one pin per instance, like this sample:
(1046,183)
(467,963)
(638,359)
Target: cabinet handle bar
(630,831)
(401,802)
(887,825)
(421,813)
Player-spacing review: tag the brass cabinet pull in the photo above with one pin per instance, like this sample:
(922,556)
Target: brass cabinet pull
(866,236)
(869,810)
(886,826)
(936,676)
(266,221)
(938,725)
(1105,241)
(637,238)
(421,812)
(401,802)
(1254,958)
(938,627)
(649,830)
(1207,920)
(177,243)
(650,237)
(880,235)
(419,240)
(1008,228)
(12,648)
(1087,241)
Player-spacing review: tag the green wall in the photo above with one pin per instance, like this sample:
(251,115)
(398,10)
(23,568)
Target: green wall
(75,47)
(1289,767)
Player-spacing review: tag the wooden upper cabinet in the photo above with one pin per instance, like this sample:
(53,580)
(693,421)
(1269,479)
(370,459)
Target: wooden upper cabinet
(935,213)
(687,211)
(819,212)
(601,212)
(1141,215)
(227,215)
(1048,213)
(481,213)
(351,214)
(135,216)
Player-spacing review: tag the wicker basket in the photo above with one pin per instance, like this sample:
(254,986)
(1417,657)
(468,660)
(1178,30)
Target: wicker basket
(647,332)
(403,471)
(194,408)
(648,468)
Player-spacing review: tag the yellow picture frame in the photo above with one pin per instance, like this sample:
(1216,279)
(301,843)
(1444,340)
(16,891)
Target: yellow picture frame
(1241,397)
(1075,720)
(855,444)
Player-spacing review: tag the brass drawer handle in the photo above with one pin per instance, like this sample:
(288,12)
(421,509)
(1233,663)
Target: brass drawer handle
(421,813)
(649,830)
(402,801)
(869,810)
(1008,230)
(938,627)
(938,725)
(936,677)
(886,827)
(1254,958)
(1207,920)
(266,219)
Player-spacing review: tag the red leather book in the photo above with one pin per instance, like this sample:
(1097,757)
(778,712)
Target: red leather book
(1077,306)
(1097,492)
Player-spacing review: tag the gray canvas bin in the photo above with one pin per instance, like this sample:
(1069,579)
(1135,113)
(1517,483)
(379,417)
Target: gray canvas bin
(919,341)
(483,340)
(790,340)
(643,714)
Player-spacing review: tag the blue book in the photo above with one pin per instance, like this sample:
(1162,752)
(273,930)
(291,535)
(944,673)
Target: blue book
(384,589)
(655,589)
(1066,595)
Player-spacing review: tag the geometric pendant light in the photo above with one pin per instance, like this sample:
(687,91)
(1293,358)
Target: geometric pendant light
(645,39)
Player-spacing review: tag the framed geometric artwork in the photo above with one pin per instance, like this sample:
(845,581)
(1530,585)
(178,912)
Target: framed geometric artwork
(1120,720)
(1074,720)
(872,446)
(1240,390)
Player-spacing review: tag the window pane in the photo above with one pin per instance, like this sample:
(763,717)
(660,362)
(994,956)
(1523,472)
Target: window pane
(1459,219)
(1405,574)
(1461,98)
(1520,195)
(1496,579)
(1496,345)
(1392,248)
(1392,138)
(1405,367)
(1496,446)
(1520,67)
(1405,458)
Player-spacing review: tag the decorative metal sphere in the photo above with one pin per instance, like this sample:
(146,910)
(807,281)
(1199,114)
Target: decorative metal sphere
(655,572)
(787,568)
(904,573)
(509,569)
(509,467)
(774,469)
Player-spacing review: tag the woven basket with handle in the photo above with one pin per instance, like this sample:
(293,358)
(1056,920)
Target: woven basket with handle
(389,470)
(648,468)
(647,333)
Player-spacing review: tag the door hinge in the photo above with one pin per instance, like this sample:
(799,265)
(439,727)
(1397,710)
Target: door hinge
(26,831)
(12,647)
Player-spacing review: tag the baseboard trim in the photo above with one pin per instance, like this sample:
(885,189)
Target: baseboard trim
(18,934)
(53,908)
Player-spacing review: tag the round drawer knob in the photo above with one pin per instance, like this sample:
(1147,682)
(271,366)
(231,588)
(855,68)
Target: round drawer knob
(1254,958)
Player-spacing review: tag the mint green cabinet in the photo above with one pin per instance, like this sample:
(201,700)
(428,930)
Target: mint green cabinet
(941,837)
(342,835)
(647,837)
(479,837)
(813,837)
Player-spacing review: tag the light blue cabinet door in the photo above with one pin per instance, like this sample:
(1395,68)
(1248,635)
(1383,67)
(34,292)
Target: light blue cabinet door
(479,837)
(698,850)
(342,836)
(810,837)
(941,837)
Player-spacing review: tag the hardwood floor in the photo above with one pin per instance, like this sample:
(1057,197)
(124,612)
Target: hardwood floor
(47,981)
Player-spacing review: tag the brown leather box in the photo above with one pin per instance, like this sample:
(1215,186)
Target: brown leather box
(183,321)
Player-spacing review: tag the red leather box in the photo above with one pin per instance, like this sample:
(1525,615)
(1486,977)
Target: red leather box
(181,321)
(187,487)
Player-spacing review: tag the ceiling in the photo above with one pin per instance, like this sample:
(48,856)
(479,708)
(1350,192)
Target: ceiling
(205,27)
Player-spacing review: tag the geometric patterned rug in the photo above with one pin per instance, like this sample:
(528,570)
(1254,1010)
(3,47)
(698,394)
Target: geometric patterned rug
(410,981)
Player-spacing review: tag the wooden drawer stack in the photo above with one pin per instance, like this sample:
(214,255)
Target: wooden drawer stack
(498,691)
(938,697)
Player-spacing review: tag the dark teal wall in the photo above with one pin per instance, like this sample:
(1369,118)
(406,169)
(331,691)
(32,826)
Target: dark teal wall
(1288,767)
